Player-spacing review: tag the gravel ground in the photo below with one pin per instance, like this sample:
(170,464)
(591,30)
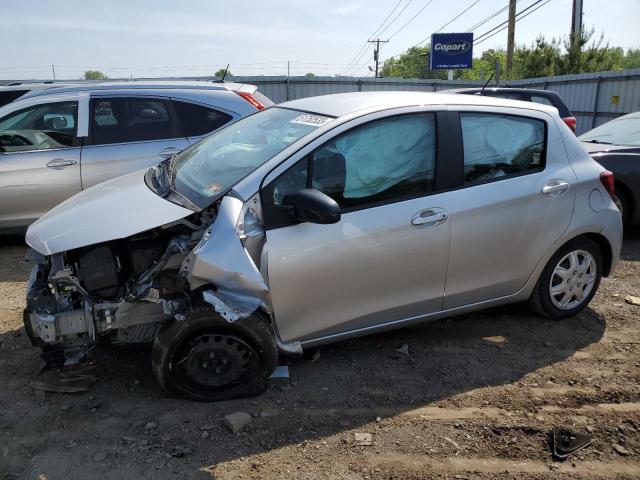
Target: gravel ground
(475,398)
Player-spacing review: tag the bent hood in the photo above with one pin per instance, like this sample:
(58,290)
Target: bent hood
(117,208)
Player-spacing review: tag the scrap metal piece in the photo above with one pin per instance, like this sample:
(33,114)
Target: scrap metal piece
(281,371)
(566,442)
(231,306)
(50,387)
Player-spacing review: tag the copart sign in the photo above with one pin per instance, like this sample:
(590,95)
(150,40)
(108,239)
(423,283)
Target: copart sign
(451,51)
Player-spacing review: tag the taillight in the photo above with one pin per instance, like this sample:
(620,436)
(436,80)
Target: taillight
(249,98)
(606,178)
(571,123)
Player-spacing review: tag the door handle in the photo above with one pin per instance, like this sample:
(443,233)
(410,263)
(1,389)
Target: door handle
(169,152)
(60,163)
(555,188)
(430,217)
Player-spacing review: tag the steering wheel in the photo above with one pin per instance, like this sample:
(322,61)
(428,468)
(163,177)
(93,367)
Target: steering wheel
(14,140)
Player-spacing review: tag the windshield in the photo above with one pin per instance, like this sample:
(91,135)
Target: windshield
(207,169)
(621,131)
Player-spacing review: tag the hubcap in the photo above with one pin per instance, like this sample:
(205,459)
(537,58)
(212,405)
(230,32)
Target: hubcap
(572,280)
(213,362)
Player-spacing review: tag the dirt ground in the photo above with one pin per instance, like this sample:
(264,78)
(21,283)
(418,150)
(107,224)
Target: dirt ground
(475,398)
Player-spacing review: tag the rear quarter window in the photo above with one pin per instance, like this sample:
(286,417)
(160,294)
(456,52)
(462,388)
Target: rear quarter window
(500,146)
(197,120)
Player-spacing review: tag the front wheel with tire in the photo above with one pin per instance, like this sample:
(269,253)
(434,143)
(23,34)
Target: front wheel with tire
(208,359)
(569,281)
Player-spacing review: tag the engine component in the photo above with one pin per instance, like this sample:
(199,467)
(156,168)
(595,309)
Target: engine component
(99,271)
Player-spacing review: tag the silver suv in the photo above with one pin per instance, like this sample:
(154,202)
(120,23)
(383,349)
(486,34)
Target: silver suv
(56,142)
(318,220)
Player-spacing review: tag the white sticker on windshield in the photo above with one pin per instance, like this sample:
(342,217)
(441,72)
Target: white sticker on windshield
(310,119)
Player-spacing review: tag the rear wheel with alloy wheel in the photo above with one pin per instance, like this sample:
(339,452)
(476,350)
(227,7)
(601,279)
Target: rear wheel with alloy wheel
(206,358)
(569,280)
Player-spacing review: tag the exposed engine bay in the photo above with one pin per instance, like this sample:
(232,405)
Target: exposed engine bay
(125,290)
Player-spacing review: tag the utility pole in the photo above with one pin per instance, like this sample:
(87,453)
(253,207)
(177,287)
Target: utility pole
(511,35)
(54,71)
(376,51)
(576,23)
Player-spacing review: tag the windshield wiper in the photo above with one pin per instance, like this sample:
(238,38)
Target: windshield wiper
(595,140)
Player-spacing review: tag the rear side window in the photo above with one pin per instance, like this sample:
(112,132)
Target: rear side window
(121,120)
(542,100)
(499,146)
(196,120)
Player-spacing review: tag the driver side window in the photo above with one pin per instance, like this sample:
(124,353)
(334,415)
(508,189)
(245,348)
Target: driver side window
(387,160)
(40,127)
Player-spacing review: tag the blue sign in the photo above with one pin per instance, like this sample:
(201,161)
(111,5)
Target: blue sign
(451,51)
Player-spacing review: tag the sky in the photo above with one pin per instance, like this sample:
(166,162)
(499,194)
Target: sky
(155,38)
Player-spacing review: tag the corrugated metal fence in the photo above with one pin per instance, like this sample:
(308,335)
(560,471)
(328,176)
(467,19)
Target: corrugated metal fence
(594,98)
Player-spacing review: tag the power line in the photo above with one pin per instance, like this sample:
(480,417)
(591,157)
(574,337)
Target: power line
(490,17)
(443,26)
(358,56)
(506,21)
(395,18)
(517,19)
(386,18)
(410,20)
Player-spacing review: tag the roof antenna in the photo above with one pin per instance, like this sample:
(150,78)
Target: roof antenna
(485,85)
(225,73)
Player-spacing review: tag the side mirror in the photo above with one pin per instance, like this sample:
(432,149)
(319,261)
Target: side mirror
(313,206)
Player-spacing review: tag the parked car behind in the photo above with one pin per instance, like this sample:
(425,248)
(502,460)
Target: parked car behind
(544,97)
(15,90)
(55,143)
(616,146)
(322,219)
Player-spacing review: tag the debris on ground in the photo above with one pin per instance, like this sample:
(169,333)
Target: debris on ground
(55,388)
(632,299)
(100,456)
(151,426)
(362,439)
(404,349)
(237,421)
(452,442)
(566,442)
(281,371)
(316,356)
(621,450)
(497,340)
(180,451)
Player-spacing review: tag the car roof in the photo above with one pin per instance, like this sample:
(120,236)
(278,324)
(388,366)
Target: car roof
(147,85)
(342,104)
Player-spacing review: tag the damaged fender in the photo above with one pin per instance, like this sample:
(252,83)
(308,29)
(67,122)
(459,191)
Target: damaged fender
(221,259)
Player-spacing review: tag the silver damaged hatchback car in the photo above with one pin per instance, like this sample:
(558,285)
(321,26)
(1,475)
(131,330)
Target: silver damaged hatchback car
(318,220)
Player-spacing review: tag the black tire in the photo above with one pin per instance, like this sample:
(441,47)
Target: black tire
(541,300)
(622,202)
(208,359)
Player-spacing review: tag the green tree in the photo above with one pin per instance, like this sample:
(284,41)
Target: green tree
(541,59)
(94,75)
(310,75)
(632,58)
(411,64)
(220,73)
